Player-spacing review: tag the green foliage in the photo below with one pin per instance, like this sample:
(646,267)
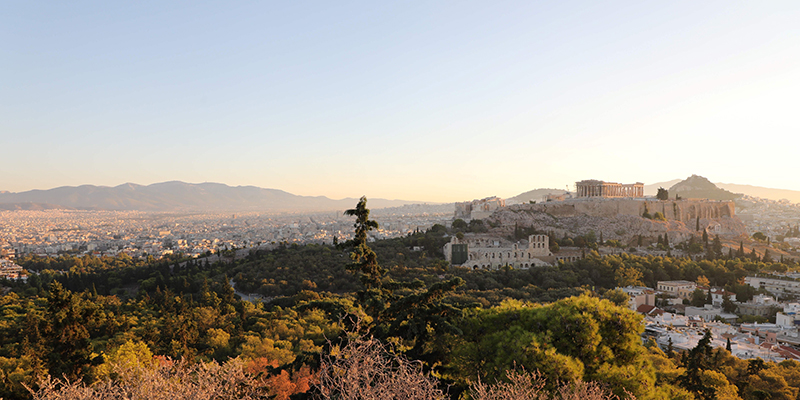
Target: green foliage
(576,338)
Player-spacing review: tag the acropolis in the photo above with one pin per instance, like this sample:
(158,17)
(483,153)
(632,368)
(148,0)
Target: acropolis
(595,188)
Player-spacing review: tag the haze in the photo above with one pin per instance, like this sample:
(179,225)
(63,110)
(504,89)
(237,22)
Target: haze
(439,101)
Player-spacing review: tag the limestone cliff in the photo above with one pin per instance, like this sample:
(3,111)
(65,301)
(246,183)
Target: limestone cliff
(621,219)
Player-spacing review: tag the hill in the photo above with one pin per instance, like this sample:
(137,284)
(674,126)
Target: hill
(181,196)
(652,189)
(533,195)
(698,187)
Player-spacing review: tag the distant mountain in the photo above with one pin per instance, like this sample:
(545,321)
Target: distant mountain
(533,195)
(698,187)
(762,192)
(181,196)
(29,206)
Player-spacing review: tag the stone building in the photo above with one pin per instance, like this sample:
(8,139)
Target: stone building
(487,252)
(478,209)
(679,289)
(595,188)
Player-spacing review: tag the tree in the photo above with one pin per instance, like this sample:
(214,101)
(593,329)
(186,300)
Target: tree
(698,298)
(617,297)
(727,305)
(415,319)
(716,246)
(628,276)
(697,224)
(66,334)
(659,216)
(760,236)
(365,261)
(767,256)
(459,224)
(575,338)
(663,194)
(696,361)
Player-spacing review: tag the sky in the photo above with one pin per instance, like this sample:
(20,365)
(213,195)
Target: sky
(418,100)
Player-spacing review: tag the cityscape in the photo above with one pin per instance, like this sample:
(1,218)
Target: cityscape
(549,200)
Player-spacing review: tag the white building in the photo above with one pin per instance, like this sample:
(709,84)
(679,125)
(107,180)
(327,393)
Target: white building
(778,287)
(790,317)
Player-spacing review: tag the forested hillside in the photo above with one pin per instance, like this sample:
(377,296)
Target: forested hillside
(83,317)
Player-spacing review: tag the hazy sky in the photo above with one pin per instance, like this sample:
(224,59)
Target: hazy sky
(436,101)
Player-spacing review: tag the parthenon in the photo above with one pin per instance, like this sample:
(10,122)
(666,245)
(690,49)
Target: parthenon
(595,188)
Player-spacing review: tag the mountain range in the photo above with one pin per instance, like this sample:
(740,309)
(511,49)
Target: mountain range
(179,196)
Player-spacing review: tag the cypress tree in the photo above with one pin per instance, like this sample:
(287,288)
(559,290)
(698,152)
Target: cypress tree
(767,257)
(697,224)
(728,345)
(666,241)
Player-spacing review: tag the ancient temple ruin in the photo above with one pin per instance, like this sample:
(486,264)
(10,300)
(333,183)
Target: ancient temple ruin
(595,188)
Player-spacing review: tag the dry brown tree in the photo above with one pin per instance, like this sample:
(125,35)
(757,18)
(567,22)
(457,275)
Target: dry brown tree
(365,369)
(524,385)
(165,381)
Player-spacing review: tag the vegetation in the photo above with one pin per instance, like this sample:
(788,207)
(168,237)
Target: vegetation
(116,324)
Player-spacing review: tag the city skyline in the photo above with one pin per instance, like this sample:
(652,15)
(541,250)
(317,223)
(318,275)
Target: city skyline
(424,102)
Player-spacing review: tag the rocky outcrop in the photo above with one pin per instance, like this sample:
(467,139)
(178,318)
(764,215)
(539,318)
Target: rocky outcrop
(621,219)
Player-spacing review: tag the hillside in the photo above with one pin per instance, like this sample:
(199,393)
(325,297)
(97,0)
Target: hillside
(652,189)
(181,196)
(533,195)
(698,187)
